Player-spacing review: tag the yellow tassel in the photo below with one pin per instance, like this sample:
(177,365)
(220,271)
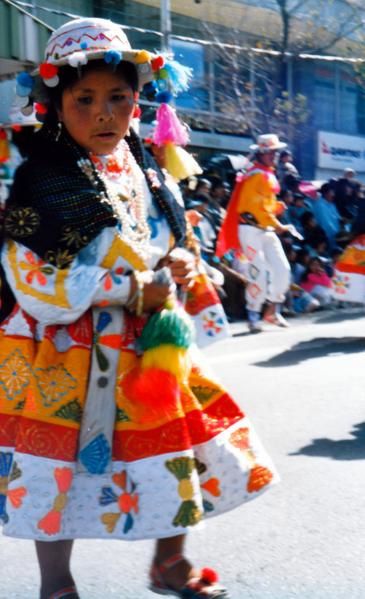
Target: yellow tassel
(168,357)
(179,163)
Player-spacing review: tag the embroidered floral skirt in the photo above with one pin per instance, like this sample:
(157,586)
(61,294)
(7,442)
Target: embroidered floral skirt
(133,471)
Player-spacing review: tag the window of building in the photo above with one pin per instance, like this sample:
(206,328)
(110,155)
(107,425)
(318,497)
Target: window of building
(324,108)
(192,55)
(347,100)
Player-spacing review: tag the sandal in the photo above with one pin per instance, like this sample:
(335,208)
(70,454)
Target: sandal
(66,593)
(203,586)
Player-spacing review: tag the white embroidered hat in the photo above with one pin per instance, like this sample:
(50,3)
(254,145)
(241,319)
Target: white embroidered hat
(267,143)
(74,44)
(81,40)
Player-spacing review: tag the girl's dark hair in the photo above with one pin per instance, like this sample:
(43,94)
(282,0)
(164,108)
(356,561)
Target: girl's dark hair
(68,76)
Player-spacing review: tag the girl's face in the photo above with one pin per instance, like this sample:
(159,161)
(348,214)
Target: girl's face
(97,110)
(315,266)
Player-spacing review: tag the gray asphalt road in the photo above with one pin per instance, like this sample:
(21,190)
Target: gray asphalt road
(304,390)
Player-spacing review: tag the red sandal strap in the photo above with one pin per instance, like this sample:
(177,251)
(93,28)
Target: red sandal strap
(64,593)
(169,562)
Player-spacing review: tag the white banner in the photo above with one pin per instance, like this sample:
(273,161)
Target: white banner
(336,151)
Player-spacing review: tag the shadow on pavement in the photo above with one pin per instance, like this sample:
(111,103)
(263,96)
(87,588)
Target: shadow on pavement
(345,449)
(339,316)
(315,348)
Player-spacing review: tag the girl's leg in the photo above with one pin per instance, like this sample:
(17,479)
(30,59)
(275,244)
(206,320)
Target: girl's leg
(178,575)
(54,564)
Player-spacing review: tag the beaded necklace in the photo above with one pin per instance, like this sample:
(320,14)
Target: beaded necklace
(125,194)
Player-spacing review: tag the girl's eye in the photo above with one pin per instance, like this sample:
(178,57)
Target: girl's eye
(84,100)
(118,97)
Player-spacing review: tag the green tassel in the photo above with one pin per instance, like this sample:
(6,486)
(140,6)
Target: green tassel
(168,327)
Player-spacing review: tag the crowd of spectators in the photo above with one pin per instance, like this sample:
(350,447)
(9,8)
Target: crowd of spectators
(323,218)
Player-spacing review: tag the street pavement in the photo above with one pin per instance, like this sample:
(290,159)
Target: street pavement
(304,389)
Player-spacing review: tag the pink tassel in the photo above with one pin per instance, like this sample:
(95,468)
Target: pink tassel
(169,129)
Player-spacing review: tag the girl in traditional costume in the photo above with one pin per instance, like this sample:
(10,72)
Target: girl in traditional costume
(109,428)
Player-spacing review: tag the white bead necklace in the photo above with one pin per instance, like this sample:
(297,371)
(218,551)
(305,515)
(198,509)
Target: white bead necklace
(125,194)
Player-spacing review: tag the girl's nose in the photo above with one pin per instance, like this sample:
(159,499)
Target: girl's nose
(105,111)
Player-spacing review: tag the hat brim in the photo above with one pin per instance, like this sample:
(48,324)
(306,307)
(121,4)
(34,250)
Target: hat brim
(127,55)
(280,146)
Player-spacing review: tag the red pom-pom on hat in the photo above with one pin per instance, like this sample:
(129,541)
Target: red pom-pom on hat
(209,576)
(3,134)
(137,112)
(157,63)
(40,108)
(47,70)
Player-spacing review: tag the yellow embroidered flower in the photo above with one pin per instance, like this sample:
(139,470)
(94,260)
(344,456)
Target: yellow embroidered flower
(54,383)
(14,374)
(22,222)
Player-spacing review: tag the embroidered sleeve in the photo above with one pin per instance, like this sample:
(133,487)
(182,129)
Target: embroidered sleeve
(55,295)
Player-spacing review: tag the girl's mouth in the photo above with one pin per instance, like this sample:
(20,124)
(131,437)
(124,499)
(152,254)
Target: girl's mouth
(105,134)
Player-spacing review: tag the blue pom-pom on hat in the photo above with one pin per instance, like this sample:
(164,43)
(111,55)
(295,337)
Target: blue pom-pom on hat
(25,80)
(164,97)
(150,88)
(22,91)
(113,57)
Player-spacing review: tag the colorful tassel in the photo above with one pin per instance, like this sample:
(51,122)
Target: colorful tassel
(179,163)
(179,76)
(169,129)
(167,327)
(170,358)
(154,394)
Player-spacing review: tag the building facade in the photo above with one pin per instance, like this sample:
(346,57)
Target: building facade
(231,47)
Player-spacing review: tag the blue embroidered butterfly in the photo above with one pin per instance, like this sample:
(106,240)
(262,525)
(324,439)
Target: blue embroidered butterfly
(5,467)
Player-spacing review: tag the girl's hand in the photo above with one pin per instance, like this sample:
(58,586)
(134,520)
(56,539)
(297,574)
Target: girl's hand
(183,267)
(154,294)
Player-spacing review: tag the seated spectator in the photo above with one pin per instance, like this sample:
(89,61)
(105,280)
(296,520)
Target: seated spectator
(234,268)
(205,227)
(296,210)
(220,194)
(349,173)
(301,264)
(297,301)
(313,234)
(346,192)
(316,281)
(213,209)
(326,213)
